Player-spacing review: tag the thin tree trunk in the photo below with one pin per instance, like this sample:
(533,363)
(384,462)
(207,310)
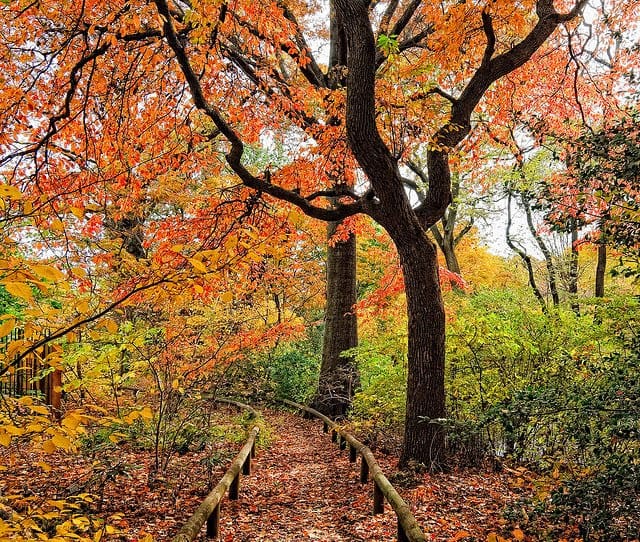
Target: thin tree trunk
(551,270)
(573,269)
(526,259)
(601,269)
(446,245)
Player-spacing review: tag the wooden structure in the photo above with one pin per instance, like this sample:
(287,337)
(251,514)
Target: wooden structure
(32,374)
(209,510)
(408,528)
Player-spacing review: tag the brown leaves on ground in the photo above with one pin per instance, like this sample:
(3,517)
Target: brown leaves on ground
(302,487)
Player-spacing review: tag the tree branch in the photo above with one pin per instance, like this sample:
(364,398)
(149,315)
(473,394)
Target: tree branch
(234,156)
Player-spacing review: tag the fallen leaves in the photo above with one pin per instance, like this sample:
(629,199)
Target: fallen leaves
(301,488)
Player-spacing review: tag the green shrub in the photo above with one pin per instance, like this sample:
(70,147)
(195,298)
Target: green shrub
(293,375)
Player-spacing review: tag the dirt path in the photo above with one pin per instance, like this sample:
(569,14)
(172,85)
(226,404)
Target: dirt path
(303,488)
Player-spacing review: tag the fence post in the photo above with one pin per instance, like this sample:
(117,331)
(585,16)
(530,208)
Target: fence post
(353,454)
(334,436)
(364,470)
(234,488)
(213,523)
(378,499)
(246,466)
(343,442)
(402,536)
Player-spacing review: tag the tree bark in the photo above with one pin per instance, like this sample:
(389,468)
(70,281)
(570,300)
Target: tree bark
(526,259)
(601,269)
(338,374)
(548,258)
(573,269)
(425,405)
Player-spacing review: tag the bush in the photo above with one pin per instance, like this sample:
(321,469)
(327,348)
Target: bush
(586,432)
(293,375)
(379,404)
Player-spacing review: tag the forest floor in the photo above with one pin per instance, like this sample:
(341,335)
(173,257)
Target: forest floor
(302,487)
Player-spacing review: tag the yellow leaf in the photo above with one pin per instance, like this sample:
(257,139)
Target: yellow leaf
(175,384)
(19,289)
(44,466)
(177,248)
(7,327)
(71,422)
(79,272)
(227,297)
(5,438)
(48,446)
(48,272)
(110,325)
(198,265)
(518,534)
(146,413)
(57,225)
(460,535)
(77,212)
(35,428)
(11,192)
(61,441)
(39,409)
(15,431)
(82,307)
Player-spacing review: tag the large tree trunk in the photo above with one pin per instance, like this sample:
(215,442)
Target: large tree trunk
(424,434)
(338,374)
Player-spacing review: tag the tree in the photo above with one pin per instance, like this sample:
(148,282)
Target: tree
(236,71)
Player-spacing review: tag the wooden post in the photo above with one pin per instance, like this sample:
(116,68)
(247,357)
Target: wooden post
(364,470)
(325,427)
(334,435)
(343,443)
(402,536)
(253,449)
(246,466)
(378,499)
(213,523)
(353,454)
(234,488)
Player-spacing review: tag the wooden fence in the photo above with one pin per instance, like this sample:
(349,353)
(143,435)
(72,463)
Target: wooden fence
(32,374)
(408,528)
(209,510)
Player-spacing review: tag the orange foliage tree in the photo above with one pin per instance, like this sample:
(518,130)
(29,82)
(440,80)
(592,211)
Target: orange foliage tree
(123,95)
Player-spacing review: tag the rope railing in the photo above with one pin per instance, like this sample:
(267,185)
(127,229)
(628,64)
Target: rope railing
(209,510)
(408,528)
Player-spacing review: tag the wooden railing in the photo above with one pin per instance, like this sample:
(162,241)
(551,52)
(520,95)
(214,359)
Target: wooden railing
(209,510)
(408,528)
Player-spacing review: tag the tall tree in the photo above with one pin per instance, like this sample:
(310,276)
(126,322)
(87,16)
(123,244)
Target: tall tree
(238,69)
